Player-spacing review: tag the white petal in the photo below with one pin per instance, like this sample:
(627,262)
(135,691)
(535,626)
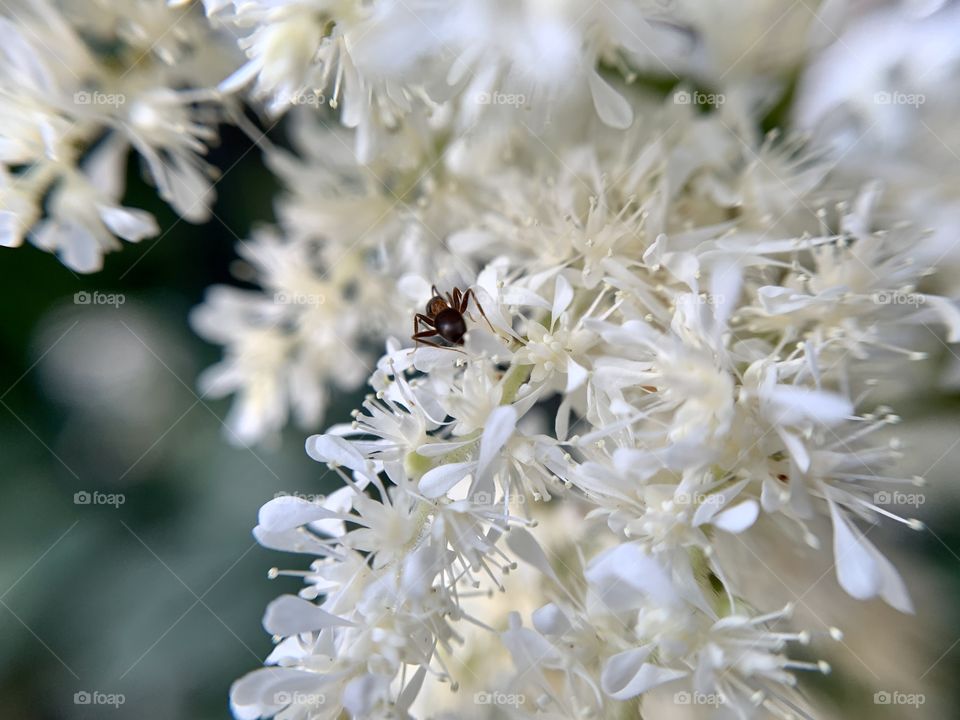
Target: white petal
(562,297)
(528,649)
(576,375)
(496,431)
(259,690)
(798,451)
(515,295)
(290,615)
(414,288)
(336,450)
(480,341)
(419,569)
(611,106)
(790,405)
(857,571)
(128,223)
(862,570)
(617,574)
(184,185)
(949,314)
(626,675)
(340,500)
(437,482)
(526,547)
(739,517)
(411,690)
(550,620)
(724,292)
(288,512)
(239,78)
(11,233)
(106,167)
(562,422)
(25,64)
(715,502)
(79,248)
(685,267)
(778,300)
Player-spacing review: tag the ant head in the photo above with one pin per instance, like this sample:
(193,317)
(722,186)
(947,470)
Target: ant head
(436,305)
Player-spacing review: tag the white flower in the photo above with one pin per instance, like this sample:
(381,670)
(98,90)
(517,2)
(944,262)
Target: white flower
(83,213)
(673,322)
(677,375)
(883,95)
(171,138)
(70,114)
(358,57)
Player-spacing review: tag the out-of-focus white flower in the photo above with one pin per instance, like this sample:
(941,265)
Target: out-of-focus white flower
(83,216)
(493,63)
(365,59)
(63,100)
(884,95)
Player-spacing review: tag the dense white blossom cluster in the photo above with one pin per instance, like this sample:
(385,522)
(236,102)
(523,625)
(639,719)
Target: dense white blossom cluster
(677,346)
(82,84)
(675,328)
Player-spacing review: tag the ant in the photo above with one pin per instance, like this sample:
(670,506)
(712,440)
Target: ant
(444,317)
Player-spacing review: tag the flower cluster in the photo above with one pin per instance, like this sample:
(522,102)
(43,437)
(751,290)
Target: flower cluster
(71,113)
(675,336)
(676,324)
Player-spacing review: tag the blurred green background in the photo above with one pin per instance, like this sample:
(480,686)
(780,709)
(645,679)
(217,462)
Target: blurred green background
(160,598)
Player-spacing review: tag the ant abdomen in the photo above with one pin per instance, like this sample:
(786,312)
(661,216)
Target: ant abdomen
(451,325)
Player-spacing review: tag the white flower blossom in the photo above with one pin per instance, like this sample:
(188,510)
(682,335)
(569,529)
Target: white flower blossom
(703,379)
(63,101)
(676,323)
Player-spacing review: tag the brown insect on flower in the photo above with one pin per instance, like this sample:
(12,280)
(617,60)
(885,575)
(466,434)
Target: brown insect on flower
(444,317)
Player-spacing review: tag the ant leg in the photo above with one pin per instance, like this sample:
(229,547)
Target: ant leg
(419,338)
(455,299)
(466,301)
(419,319)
